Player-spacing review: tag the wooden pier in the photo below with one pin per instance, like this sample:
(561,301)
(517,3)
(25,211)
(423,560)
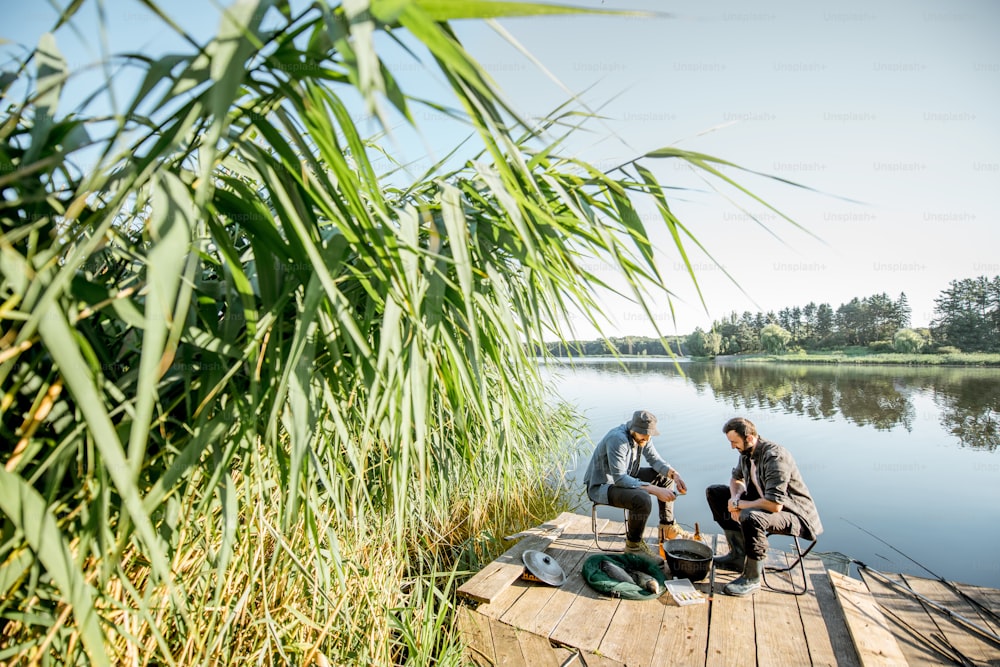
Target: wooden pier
(839,621)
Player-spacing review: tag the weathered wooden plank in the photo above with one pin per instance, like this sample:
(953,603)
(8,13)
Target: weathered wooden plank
(511,597)
(965,640)
(596,660)
(564,655)
(823,621)
(730,633)
(504,600)
(574,541)
(989,598)
(586,620)
(872,637)
(683,635)
(731,641)
(523,612)
(505,644)
(632,632)
(543,609)
(910,623)
(474,629)
(536,650)
(781,638)
(552,612)
(496,576)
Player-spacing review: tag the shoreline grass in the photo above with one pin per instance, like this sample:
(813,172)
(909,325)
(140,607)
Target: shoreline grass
(849,356)
(879,358)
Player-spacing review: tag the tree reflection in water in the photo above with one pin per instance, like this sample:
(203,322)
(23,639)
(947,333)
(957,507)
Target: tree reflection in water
(969,411)
(878,396)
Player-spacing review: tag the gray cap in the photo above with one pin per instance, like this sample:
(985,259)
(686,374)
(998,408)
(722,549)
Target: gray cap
(644,423)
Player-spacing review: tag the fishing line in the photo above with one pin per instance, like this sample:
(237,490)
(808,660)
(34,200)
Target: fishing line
(986,634)
(968,598)
(935,642)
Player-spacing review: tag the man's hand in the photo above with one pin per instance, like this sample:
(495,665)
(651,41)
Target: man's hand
(660,493)
(733,511)
(682,488)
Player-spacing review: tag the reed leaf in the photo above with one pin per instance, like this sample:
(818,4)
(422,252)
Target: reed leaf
(266,401)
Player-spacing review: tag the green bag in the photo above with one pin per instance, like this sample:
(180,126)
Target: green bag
(599,580)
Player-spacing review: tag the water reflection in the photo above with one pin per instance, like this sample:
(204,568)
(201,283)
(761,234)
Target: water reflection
(881,397)
(969,412)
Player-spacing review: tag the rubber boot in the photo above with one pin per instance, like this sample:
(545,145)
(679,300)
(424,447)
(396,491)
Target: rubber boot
(748,582)
(640,548)
(736,557)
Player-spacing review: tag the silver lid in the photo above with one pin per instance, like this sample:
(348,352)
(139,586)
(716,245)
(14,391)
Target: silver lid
(544,567)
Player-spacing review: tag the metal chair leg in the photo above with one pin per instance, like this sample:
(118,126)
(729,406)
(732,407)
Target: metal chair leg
(796,590)
(598,535)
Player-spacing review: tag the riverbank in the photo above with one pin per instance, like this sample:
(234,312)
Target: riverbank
(856,356)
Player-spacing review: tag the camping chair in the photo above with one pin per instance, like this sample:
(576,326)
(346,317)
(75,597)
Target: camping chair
(599,535)
(800,555)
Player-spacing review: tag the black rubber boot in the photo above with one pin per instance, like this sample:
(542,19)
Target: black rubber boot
(736,557)
(747,583)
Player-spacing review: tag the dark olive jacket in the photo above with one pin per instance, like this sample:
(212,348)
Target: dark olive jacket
(781,482)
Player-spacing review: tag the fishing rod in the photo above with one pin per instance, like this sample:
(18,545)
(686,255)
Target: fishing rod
(935,642)
(962,620)
(965,596)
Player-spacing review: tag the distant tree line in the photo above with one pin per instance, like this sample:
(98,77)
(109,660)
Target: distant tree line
(966,318)
(967,315)
(631,345)
(873,319)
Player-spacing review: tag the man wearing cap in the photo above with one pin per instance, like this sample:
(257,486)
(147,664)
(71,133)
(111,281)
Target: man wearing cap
(615,477)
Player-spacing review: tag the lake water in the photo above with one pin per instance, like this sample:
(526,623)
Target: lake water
(910,454)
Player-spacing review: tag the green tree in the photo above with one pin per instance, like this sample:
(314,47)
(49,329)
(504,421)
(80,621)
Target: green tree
(903,310)
(967,315)
(774,338)
(704,344)
(907,341)
(850,322)
(882,318)
(825,321)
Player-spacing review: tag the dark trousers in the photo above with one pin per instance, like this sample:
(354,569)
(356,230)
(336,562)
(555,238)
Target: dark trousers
(755,524)
(639,503)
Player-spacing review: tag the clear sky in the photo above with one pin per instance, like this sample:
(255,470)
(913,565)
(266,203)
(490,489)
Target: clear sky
(890,109)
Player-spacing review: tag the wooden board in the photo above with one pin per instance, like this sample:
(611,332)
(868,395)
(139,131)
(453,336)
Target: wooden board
(524,611)
(964,639)
(596,660)
(683,635)
(823,620)
(781,639)
(586,620)
(731,639)
(536,650)
(490,581)
(988,597)
(508,650)
(632,633)
(873,640)
(913,627)
(474,628)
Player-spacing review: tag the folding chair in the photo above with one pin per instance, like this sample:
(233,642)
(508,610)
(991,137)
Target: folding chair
(796,590)
(599,535)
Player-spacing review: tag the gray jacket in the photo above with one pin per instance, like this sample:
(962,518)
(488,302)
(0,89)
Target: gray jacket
(782,483)
(615,462)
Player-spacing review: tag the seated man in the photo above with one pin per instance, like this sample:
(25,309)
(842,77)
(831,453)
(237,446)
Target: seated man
(614,478)
(765,495)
